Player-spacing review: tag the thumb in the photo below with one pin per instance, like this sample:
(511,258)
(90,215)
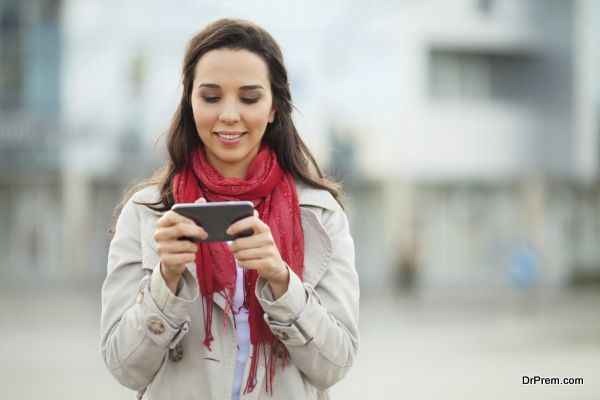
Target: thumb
(200,200)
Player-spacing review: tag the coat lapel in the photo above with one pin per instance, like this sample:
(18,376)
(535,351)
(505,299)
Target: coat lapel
(317,242)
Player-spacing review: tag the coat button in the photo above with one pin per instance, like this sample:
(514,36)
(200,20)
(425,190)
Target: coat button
(280,334)
(176,354)
(156,326)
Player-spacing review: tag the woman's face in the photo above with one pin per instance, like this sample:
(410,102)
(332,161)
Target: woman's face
(232,104)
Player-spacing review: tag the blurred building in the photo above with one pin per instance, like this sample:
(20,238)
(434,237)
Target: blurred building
(30,139)
(479,156)
(466,131)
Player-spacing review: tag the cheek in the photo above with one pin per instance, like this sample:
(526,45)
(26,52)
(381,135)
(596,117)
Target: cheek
(260,116)
(204,117)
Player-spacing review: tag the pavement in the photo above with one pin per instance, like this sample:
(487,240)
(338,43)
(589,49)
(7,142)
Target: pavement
(412,346)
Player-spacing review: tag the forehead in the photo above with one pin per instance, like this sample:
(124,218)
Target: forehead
(227,67)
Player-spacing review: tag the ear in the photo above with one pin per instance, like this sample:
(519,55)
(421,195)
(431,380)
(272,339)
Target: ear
(272,115)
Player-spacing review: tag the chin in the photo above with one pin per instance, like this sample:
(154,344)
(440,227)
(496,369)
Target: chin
(232,156)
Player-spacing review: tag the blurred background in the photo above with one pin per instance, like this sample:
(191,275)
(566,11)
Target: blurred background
(466,133)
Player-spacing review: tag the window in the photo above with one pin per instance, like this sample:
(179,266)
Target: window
(459,75)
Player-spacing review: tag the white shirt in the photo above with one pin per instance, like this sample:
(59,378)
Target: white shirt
(242,332)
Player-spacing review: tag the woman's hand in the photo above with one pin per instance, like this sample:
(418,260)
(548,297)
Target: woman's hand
(259,252)
(175,254)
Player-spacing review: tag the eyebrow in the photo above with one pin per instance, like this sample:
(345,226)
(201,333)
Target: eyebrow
(245,87)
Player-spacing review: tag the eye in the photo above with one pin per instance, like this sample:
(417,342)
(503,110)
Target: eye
(211,99)
(250,100)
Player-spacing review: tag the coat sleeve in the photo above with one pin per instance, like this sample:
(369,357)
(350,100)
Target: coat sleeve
(319,325)
(141,318)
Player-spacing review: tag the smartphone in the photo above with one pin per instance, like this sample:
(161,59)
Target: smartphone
(216,217)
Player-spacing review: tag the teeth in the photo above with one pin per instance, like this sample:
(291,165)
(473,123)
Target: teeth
(226,136)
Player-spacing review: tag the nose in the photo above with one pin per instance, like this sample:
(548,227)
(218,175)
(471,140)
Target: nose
(230,113)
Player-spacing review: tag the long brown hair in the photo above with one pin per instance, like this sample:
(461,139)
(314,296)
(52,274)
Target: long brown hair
(281,135)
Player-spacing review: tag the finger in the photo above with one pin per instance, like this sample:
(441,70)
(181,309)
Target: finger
(254,264)
(254,253)
(253,223)
(174,232)
(257,240)
(172,218)
(176,246)
(200,200)
(178,258)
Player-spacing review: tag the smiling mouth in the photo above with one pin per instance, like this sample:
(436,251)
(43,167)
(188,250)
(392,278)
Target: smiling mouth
(228,138)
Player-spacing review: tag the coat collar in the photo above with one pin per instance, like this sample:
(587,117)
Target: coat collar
(309,196)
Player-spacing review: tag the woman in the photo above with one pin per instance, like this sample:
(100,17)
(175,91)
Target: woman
(272,315)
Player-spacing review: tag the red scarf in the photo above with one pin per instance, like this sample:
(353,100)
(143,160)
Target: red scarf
(273,193)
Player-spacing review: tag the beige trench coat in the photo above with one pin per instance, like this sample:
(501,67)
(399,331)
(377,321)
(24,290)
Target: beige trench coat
(152,340)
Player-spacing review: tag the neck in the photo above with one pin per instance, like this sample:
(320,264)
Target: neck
(238,169)
(232,171)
